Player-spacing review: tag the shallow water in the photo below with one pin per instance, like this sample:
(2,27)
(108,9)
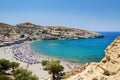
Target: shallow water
(81,51)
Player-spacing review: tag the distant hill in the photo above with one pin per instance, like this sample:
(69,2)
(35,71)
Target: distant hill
(48,32)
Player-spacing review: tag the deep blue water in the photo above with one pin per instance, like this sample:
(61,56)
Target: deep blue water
(81,51)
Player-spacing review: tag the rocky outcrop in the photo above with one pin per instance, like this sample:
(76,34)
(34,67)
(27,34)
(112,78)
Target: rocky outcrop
(50,32)
(107,69)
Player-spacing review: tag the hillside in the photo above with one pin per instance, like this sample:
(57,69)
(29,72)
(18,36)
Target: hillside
(107,69)
(47,32)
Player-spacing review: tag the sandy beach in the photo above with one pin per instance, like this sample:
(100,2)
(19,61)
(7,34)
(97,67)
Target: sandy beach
(37,69)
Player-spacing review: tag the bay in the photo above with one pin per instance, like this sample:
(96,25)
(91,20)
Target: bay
(79,51)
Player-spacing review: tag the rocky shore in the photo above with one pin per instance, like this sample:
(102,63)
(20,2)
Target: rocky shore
(44,32)
(107,69)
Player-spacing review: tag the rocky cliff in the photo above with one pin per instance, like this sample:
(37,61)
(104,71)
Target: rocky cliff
(48,32)
(107,69)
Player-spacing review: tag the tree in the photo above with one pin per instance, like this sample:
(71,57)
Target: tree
(18,74)
(6,35)
(4,77)
(14,65)
(54,68)
(44,62)
(22,36)
(4,65)
(23,74)
(31,78)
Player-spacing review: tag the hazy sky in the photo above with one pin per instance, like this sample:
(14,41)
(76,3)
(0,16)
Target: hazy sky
(94,15)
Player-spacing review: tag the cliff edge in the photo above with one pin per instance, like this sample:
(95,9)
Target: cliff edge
(107,69)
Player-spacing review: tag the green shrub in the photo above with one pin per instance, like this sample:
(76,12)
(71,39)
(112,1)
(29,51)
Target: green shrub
(4,65)
(44,62)
(23,74)
(14,65)
(4,77)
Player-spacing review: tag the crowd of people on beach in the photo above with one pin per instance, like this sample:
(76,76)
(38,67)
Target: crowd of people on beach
(19,55)
(23,53)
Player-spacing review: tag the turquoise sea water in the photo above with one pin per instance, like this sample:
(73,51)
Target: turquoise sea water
(81,51)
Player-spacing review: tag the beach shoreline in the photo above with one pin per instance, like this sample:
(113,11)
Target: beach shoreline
(51,57)
(37,69)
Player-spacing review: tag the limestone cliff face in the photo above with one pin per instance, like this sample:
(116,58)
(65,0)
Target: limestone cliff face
(107,69)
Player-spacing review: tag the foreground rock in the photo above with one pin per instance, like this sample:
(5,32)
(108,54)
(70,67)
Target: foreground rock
(107,69)
(46,32)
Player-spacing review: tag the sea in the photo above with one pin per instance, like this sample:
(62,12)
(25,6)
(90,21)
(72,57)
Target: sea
(78,51)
